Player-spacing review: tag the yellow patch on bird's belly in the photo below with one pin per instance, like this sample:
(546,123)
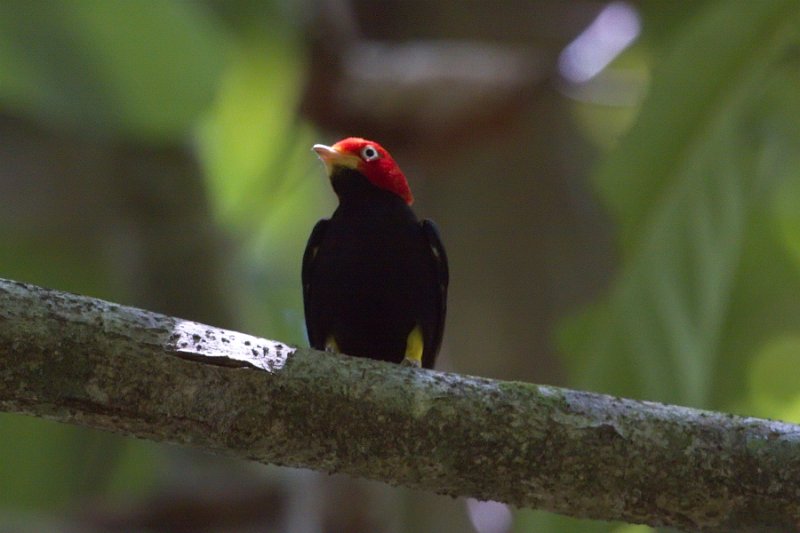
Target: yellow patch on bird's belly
(415,346)
(331,345)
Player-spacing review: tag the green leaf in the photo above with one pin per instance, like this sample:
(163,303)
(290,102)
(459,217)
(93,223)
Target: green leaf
(144,69)
(716,60)
(683,185)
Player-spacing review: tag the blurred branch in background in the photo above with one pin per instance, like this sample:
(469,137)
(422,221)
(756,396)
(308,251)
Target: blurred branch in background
(81,360)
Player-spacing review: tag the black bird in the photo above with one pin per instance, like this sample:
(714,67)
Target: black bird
(374,276)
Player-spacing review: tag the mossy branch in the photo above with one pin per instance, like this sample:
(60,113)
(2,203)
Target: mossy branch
(85,361)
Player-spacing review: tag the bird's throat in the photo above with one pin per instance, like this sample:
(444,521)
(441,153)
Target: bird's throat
(355,191)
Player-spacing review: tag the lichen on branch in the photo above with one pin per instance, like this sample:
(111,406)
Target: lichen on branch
(90,362)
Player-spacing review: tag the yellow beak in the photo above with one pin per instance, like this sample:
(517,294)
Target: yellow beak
(332,157)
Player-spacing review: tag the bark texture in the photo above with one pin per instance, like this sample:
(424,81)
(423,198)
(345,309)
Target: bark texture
(82,360)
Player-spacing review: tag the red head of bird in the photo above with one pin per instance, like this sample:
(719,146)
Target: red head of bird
(370,159)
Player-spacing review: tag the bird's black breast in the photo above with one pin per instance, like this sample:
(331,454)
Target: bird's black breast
(369,278)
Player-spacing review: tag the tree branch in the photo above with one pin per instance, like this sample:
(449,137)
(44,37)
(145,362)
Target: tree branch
(85,361)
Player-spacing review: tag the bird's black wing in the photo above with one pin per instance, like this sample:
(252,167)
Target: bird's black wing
(309,257)
(439,257)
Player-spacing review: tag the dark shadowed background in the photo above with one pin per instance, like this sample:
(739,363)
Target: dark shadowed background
(617,184)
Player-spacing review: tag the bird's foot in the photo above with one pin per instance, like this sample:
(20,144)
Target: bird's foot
(411,362)
(330,345)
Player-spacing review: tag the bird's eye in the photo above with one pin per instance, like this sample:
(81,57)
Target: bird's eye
(369,153)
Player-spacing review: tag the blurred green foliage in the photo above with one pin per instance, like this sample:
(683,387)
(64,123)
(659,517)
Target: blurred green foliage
(693,188)
(141,70)
(261,178)
(157,73)
(704,190)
